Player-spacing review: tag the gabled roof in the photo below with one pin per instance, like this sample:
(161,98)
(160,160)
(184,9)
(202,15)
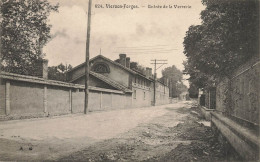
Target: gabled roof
(107,59)
(113,62)
(106,80)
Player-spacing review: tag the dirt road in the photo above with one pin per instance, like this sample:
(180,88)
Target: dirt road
(164,133)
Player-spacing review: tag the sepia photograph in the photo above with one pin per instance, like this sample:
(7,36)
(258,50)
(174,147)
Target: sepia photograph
(129,80)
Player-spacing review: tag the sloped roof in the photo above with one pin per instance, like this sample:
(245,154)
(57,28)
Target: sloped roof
(107,59)
(142,75)
(106,80)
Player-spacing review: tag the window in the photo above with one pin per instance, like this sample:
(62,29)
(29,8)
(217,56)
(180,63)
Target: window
(134,95)
(101,67)
(144,95)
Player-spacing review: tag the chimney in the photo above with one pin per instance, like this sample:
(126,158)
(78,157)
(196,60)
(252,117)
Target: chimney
(45,69)
(150,72)
(147,72)
(128,62)
(122,59)
(41,69)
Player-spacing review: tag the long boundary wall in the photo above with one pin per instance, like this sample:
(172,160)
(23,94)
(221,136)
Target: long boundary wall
(25,96)
(237,109)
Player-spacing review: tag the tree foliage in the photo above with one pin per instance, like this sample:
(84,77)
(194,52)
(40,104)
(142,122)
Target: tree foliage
(227,37)
(172,73)
(197,78)
(174,76)
(24,32)
(58,72)
(193,91)
(137,67)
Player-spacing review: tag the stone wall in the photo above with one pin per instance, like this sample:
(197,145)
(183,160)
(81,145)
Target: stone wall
(239,95)
(25,97)
(2,98)
(78,101)
(26,100)
(245,92)
(237,109)
(222,95)
(58,100)
(242,139)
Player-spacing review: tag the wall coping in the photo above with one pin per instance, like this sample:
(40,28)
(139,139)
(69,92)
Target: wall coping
(244,132)
(206,109)
(32,79)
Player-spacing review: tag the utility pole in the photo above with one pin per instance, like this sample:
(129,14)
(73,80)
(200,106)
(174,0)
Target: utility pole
(87,58)
(155,62)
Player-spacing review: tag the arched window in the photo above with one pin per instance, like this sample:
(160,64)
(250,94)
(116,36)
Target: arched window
(101,67)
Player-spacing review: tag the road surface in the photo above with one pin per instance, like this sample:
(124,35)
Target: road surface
(140,134)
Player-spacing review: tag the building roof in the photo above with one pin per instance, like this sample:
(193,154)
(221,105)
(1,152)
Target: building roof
(106,80)
(107,59)
(110,82)
(142,75)
(160,81)
(113,62)
(32,79)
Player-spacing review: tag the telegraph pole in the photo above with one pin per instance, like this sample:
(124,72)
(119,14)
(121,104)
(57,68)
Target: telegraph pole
(87,58)
(156,62)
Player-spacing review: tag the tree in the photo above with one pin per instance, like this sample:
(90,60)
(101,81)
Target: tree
(197,78)
(135,66)
(174,76)
(58,72)
(24,33)
(172,73)
(227,37)
(193,91)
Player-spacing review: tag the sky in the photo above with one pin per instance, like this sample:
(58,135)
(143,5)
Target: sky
(143,33)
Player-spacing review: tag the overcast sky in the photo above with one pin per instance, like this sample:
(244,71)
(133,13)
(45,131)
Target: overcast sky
(142,33)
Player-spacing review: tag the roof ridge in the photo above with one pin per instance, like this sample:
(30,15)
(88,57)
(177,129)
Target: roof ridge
(128,69)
